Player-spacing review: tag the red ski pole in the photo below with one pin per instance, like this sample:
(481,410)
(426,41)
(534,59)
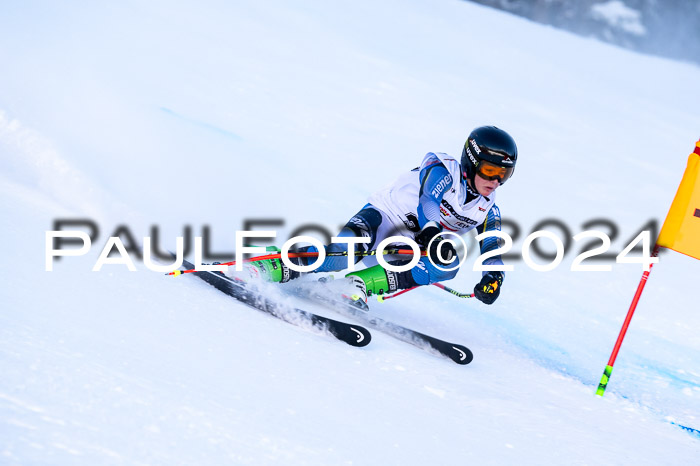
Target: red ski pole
(382,298)
(439,285)
(454,292)
(277,255)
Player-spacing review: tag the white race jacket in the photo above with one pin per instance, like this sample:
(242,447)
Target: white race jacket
(399,200)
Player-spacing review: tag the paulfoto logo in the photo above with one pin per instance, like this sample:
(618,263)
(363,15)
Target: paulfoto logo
(390,246)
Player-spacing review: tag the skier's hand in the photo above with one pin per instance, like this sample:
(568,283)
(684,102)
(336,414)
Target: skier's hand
(441,252)
(488,289)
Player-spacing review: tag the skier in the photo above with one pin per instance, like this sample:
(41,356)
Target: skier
(442,195)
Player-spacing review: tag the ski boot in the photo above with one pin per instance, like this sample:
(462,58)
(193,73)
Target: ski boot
(378,281)
(374,280)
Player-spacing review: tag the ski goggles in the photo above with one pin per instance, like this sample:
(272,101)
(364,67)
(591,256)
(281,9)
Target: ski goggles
(490,171)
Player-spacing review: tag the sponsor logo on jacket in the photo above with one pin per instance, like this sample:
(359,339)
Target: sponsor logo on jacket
(411,221)
(440,187)
(452,213)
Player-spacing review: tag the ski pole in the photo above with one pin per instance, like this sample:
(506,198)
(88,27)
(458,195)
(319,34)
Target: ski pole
(374,252)
(454,292)
(382,298)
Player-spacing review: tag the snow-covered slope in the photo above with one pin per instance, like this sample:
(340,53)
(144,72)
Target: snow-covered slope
(213,113)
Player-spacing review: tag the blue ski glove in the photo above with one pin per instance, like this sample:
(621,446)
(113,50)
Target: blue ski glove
(488,289)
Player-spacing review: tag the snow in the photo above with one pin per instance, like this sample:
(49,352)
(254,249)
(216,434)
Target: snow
(619,15)
(176,114)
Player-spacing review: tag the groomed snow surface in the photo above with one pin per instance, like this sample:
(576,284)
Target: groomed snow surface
(213,113)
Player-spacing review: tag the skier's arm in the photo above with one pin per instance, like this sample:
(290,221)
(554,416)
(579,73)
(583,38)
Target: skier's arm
(435,180)
(492,223)
(488,289)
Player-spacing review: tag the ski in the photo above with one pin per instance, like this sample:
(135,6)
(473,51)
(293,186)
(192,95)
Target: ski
(353,335)
(359,311)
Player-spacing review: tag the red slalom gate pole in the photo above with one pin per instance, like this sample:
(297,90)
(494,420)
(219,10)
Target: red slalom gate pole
(611,362)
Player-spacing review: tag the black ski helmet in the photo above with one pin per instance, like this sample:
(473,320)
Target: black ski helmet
(490,144)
